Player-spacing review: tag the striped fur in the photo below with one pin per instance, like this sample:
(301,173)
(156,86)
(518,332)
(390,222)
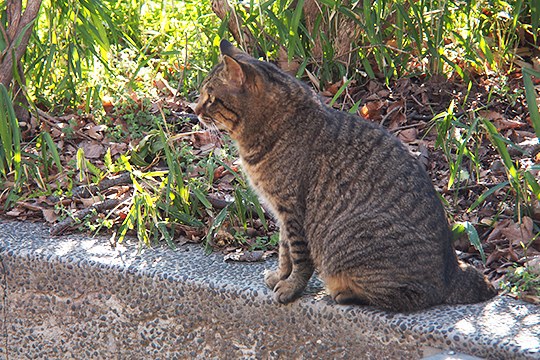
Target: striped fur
(351,201)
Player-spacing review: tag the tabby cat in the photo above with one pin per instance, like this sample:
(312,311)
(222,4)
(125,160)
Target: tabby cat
(352,203)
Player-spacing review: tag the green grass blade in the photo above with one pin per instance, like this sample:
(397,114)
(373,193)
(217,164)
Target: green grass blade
(179,216)
(500,144)
(81,163)
(236,174)
(294,38)
(340,91)
(530,94)
(258,208)
(533,184)
(202,198)
(5,127)
(535,16)
(53,150)
(472,234)
(475,239)
(216,224)
(486,194)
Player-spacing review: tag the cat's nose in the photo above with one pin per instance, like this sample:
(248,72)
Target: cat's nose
(198,109)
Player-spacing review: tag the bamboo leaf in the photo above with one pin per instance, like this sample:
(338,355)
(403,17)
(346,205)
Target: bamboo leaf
(486,194)
(6,136)
(530,94)
(202,198)
(53,149)
(472,234)
(500,145)
(340,91)
(216,224)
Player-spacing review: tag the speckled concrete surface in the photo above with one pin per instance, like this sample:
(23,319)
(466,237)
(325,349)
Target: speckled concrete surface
(76,297)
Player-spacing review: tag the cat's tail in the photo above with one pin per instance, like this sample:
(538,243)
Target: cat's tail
(469,286)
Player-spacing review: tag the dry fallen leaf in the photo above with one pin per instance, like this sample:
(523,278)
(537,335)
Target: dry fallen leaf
(15,212)
(372,110)
(87,202)
(92,149)
(49,215)
(202,139)
(223,238)
(284,64)
(533,264)
(245,256)
(332,89)
(219,172)
(495,256)
(408,135)
(108,105)
(96,131)
(118,148)
(500,122)
(519,233)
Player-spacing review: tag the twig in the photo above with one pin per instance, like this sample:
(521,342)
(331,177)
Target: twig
(29,206)
(70,221)
(50,120)
(221,204)
(85,191)
(408,127)
(397,108)
(417,116)
(416,101)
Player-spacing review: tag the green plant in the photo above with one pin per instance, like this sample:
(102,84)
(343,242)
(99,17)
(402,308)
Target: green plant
(531,95)
(467,228)
(10,136)
(265,242)
(70,35)
(457,140)
(522,182)
(10,145)
(522,281)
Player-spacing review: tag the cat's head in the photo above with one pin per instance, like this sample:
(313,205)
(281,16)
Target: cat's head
(239,90)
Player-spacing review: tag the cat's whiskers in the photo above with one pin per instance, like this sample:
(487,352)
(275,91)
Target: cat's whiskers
(213,131)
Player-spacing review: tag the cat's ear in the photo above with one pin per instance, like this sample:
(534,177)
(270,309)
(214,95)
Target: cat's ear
(234,71)
(228,49)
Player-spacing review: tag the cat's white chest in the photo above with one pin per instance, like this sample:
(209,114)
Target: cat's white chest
(256,183)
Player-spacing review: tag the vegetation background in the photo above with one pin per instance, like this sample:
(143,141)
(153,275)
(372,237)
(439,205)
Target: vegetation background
(97,130)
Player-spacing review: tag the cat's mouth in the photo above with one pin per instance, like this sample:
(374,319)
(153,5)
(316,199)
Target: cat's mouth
(208,122)
(205,120)
(212,124)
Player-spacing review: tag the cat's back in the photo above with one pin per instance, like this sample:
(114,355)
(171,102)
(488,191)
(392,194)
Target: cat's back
(368,192)
(357,156)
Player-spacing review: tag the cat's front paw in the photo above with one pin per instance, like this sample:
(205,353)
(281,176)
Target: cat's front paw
(271,278)
(287,291)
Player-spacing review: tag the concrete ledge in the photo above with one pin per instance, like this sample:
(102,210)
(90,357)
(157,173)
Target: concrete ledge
(76,297)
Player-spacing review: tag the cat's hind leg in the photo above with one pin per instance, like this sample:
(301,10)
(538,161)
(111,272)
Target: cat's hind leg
(388,294)
(345,291)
